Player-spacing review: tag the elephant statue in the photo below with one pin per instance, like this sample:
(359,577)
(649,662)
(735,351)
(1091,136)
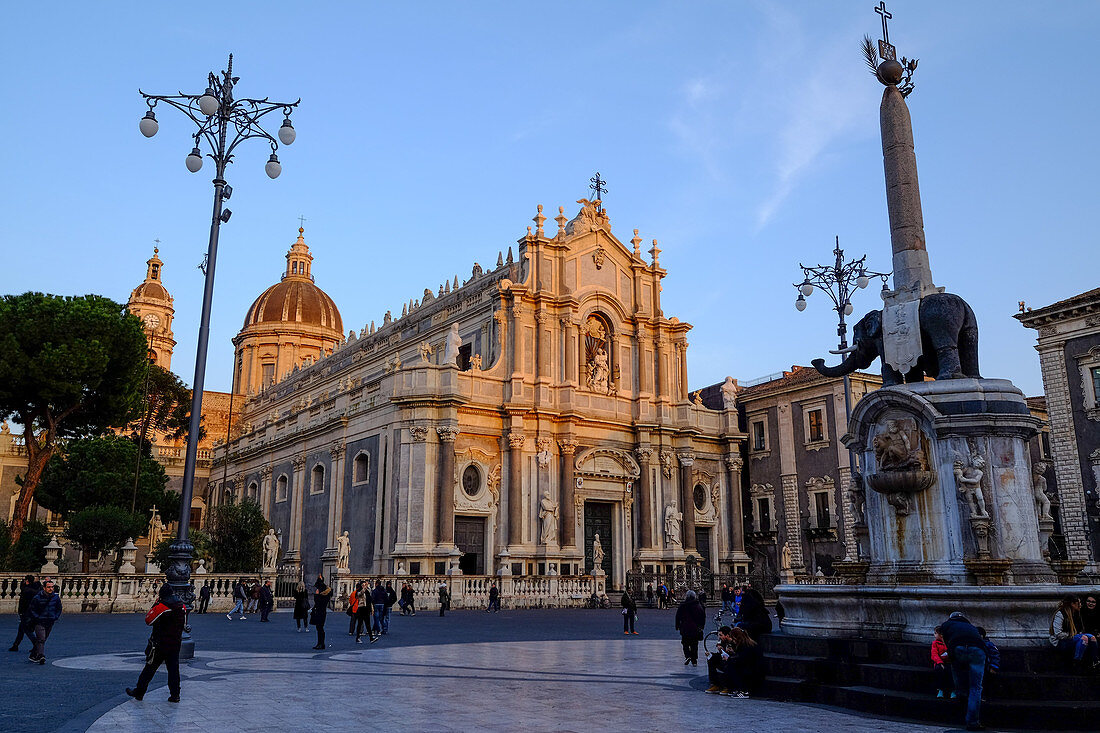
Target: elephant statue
(949,342)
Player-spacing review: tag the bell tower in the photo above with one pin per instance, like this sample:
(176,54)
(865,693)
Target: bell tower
(151,302)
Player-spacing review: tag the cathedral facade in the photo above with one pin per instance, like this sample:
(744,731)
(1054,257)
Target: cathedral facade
(533,420)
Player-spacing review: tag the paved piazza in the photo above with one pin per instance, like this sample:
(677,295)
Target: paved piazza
(469,671)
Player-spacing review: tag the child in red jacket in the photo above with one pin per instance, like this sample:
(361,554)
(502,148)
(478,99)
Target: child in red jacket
(940,671)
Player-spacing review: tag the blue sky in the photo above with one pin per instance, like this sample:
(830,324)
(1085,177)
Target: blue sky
(743,136)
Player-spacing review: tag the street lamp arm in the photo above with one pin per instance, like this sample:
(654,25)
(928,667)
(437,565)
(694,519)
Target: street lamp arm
(247,122)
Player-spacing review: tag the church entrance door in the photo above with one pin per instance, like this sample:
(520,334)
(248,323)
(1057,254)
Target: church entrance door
(597,521)
(470,539)
(702,544)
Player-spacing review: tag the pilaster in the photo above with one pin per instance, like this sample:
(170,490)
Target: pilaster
(568,448)
(445,491)
(687,501)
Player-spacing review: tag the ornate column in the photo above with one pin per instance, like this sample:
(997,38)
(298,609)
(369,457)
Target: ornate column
(687,500)
(645,498)
(294,541)
(516,439)
(445,489)
(336,494)
(568,485)
(681,350)
(734,464)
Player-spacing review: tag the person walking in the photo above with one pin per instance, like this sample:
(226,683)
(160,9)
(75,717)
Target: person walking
(240,596)
(444,598)
(691,619)
(28,589)
(630,612)
(352,608)
(301,607)
(322,594)
(204,598)
(43,611)
(409,597)
(966,652)
(253,596)
(391,598)
(168,617)
(363,613)
(378,600)
(494,599)
(267,601)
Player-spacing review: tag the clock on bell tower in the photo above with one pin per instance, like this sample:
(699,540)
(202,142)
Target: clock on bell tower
(151,302)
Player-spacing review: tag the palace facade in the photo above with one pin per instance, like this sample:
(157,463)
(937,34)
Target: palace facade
(500,425)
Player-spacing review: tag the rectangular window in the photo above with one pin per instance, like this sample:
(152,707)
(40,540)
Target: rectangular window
(1044,444)
(269,375)
(764,515)
(464,354)
(816,425)
(1096,383)
(821,509)
(758,441)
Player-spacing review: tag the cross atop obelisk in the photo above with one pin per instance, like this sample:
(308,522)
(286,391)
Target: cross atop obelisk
(599,187)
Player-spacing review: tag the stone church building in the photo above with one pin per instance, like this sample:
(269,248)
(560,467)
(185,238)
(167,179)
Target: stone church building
(499,425)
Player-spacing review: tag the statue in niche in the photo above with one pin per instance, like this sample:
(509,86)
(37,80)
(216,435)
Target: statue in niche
(666,463)
(597,553)
(1039,489)
(672,526)
(894,450)
(968,477)
(857,498)
(548,515)
(271,549)
(343,551)
(597,359)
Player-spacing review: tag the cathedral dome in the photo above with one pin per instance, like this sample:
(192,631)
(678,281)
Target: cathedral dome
(296,299)
(151,290)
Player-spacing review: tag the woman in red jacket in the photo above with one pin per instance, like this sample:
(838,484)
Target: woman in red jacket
(168,619)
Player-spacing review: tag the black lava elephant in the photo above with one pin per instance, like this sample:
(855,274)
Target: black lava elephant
(949,341)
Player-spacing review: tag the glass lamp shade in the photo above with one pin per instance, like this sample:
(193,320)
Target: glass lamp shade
(148,124)
(806,289)
(800,304)
(208,103)
(273,167)
(862,281)
(847,309)
(194,160)
(287,133)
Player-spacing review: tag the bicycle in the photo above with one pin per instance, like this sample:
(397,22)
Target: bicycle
(710,641)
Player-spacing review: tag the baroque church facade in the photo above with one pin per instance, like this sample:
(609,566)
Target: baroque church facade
(532,420)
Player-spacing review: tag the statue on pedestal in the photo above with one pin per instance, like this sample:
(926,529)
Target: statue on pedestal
(968,476)
(672,526)
(271,549)
(452,345)
(597,554)
(548,515)
(343,551)
(1039,489)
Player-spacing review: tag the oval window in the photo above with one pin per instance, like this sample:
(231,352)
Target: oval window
(471,480)
(700,496)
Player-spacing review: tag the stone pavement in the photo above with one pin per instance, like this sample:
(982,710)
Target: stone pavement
(567,670)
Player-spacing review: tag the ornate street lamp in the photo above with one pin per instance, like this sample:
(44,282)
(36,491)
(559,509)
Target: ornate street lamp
(223,123)
(839,281)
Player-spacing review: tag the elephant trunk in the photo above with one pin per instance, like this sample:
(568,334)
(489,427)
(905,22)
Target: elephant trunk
(851,363)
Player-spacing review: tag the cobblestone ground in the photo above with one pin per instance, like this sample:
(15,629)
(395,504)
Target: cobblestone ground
(568,670)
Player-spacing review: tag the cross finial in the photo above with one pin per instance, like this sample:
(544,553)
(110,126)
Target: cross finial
(156,246)
(599,186)
(881,10)
(302,222)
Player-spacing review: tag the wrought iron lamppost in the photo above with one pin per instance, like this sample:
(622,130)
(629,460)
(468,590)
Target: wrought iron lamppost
(224,122)
(839,281)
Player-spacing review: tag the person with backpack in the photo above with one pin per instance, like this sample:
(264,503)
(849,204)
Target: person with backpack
(168,617)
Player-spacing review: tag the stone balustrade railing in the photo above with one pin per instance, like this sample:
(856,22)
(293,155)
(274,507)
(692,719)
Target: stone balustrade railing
(122,593)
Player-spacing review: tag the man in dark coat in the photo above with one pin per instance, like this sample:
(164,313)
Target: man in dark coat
(391,598)
(168,619)
(378,600)
(43,610)
(494,599)
(753,614)
(322,594)
(28,589)
(630,612)
(691,619)
(967,652)
(204,598)
(267,601)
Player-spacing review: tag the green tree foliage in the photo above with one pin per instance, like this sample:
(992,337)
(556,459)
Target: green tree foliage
(29,553)
(68,367)
(165,407)
(100,472)
(102,529)
(237,535)
(201,540)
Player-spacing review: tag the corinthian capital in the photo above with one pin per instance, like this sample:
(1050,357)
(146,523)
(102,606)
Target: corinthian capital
(568,446)
(734,462)
(298,462)
(447,433)
(644,453)
(516,439)
(336,449)
(419,433)
(687,458)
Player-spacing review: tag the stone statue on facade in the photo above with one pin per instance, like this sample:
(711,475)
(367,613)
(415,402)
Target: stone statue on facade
(598,372)
(672,526)
(425,352)
(156,530)
(1039,489)
(548,515)
(597,553)
(475,362)
(968,477)
(343,551)
(893,449)
(452,345)
(729,394)
(785,557)
(698,401)
(271,549)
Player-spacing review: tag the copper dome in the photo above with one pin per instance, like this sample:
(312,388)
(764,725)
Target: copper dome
(295,300)
(150,289)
